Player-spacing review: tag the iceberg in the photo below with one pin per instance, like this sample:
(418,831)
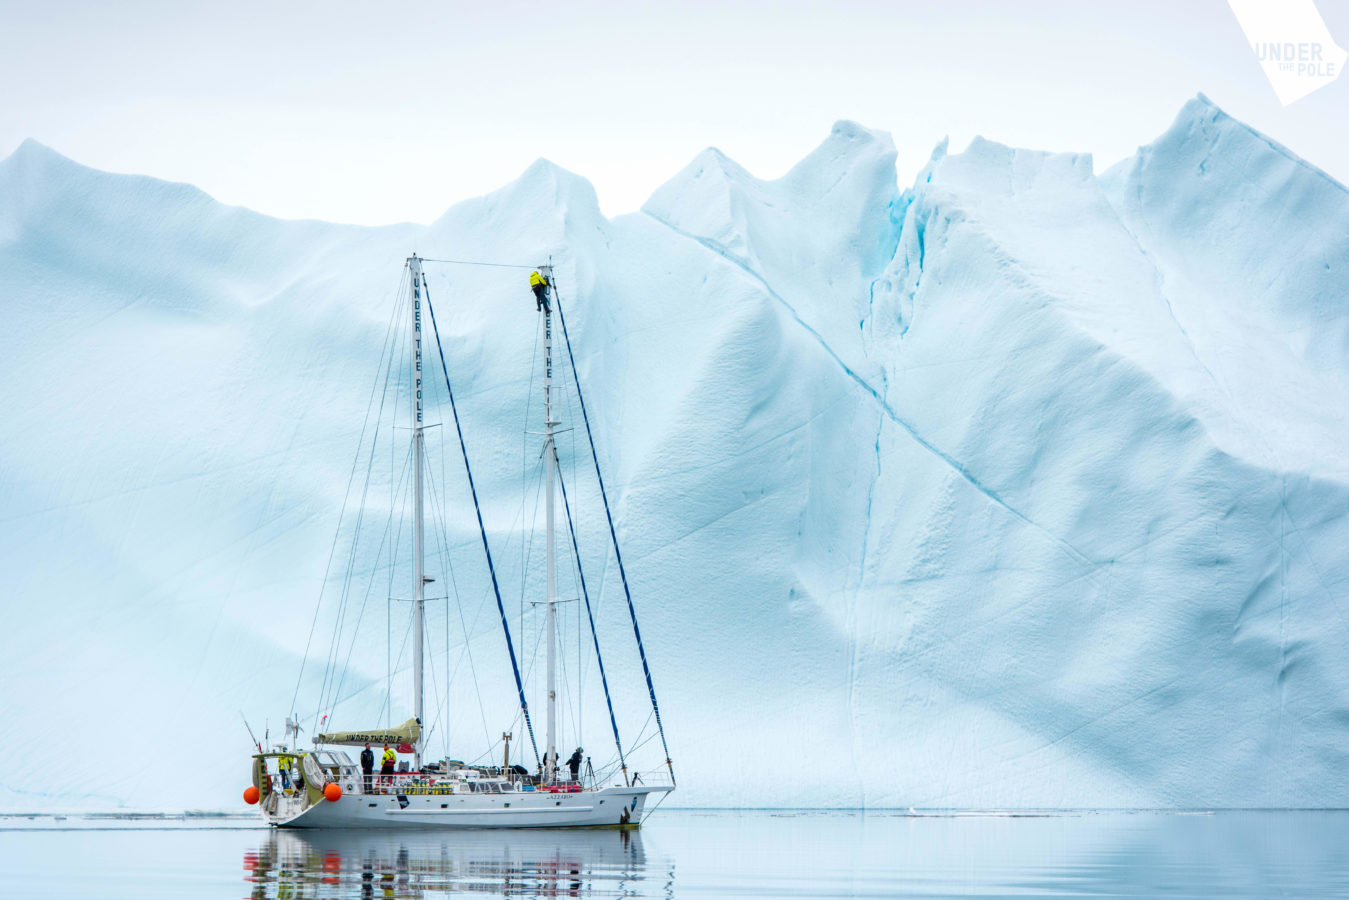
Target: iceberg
(1016,487)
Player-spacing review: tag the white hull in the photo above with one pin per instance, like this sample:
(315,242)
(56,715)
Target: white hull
(611,806)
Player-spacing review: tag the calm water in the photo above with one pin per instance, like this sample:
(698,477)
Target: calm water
(697,854)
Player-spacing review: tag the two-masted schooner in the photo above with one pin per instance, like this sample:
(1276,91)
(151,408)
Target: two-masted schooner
(321,786)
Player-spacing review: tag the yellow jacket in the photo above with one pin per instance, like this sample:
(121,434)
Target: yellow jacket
(388,759)
(537,279)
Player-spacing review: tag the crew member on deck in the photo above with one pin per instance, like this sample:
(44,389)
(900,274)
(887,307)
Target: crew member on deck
(283,766)
(368,767)
(386,765)
(575,764)
(540,286)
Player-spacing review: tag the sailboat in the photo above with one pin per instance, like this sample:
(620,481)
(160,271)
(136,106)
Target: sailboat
(322,787)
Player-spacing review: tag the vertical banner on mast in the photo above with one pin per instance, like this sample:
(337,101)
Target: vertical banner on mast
(418,573)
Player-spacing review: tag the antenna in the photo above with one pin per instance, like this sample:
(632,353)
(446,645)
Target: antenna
(251,736)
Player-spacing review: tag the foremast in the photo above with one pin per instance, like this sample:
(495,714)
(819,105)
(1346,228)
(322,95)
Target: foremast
(418,525)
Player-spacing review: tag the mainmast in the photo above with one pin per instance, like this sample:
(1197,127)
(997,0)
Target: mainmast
(550,456)
(418,573)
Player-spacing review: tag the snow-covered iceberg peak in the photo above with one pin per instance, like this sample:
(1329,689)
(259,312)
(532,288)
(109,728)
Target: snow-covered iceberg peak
(1251,244)
(1251,219)
(546,213)
(847,183)
(544,206)
(846,188)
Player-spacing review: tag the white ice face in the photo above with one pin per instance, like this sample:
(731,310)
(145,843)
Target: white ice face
(1017,487)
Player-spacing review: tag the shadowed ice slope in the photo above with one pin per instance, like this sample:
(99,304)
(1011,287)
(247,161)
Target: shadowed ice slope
(1018,487)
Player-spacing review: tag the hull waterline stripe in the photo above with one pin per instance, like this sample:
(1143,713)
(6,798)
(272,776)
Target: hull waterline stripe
(482,529)
(524,810)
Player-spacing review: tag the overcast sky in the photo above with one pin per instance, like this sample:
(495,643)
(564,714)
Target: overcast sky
(375,113)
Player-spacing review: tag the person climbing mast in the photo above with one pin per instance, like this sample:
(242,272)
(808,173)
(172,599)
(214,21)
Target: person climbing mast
(539,283)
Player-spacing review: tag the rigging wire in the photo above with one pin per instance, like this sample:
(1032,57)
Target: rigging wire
(608,514)
(438,518)
(470,630)
(346,497)
(482,528)
(452,594)
(582,664)
(585,594)
(478,262)
(571,684)
(435,691)
(449,672)
(329,674)
(374,446)
(391,663)
(527,547)
(335,649)
(402,645)
(369,589)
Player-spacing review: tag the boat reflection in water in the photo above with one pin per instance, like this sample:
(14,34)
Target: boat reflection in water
(531,863)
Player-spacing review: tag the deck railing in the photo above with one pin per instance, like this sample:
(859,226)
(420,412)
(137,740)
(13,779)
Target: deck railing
(655,777)
(418,783)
